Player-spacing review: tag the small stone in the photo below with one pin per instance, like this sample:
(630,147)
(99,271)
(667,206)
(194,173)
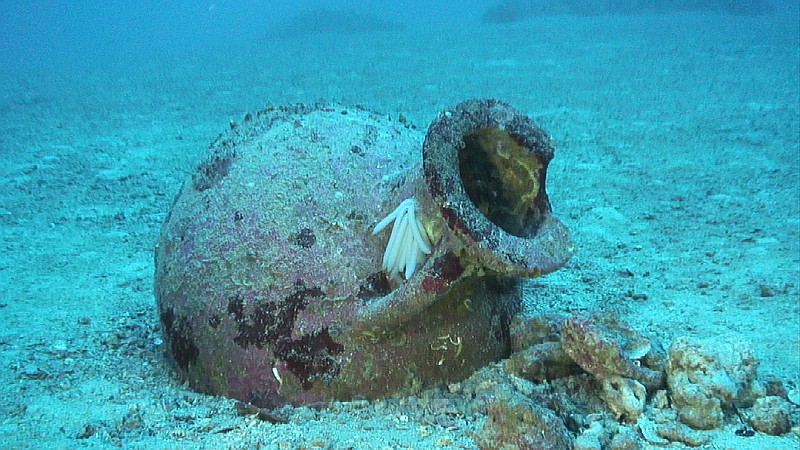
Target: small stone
(625,397)
(660,399)
(34,372)
(88,431)
(649,430)
(774,386)
(683,434)
(770,415)
(625,439)
(709,376)
(587,442)
(794,396)
(521,423)
(591,438)
(702,413)
(454,388)
(541,362)
(603,345)
(444,441)
(765,291)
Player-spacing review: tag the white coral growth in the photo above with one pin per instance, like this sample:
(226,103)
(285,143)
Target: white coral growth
(408,243)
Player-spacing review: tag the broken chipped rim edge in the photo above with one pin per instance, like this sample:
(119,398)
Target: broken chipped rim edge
(498,250)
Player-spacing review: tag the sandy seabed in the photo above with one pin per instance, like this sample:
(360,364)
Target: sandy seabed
(677,168)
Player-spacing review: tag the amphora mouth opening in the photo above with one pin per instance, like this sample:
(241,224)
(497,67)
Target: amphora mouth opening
(485,164)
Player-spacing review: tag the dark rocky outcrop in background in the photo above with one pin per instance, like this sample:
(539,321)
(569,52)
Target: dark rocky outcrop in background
(516,10)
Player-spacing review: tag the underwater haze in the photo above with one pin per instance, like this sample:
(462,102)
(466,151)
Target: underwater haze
(676,127)
(71,32)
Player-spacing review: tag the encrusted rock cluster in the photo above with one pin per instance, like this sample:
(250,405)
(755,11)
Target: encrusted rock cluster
(613,387)
(708,377)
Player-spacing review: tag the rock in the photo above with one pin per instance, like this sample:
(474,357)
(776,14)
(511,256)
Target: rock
(592,438)
(770,415)
(660,427)
(537,351)
(587,442)
(605,346)
(625,439)
(528,331)
(522,424)
(625,397)
(680,433)
(794,396)
(660,399)
(699,409)
(541,362)
(706,377)
(649,430)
